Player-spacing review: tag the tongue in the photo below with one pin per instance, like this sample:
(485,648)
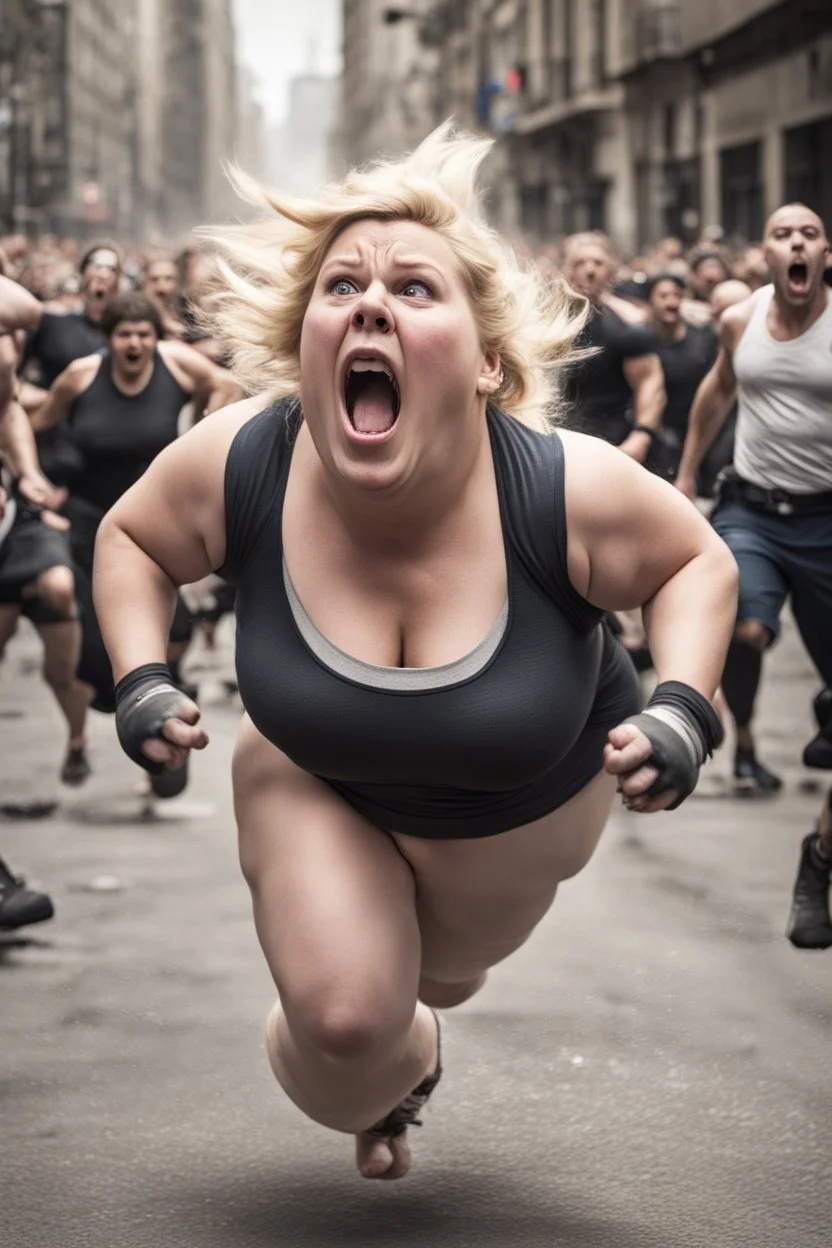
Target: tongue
(373,408)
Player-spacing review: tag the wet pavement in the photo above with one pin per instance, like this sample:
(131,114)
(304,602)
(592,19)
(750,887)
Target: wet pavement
(650,1071)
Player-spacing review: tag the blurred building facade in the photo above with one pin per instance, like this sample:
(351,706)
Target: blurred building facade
(638,117)
(115,118)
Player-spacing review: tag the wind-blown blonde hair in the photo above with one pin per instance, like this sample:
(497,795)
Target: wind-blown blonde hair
(271,267)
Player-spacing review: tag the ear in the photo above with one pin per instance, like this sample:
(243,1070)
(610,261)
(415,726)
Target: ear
(491,374)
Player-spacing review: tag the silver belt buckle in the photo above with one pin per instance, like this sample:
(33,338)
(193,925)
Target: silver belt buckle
(784,508)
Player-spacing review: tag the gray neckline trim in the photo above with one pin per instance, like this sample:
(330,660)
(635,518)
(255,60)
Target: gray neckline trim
(397,679)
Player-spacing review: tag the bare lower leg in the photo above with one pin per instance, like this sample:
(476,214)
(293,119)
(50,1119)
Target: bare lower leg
(350,1089)
(62,645)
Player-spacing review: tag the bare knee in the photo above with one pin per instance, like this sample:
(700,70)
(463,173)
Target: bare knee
(348,1026)
(753,633)
(57,589)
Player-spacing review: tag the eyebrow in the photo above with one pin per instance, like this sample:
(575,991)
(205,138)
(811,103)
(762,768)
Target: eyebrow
(404,262)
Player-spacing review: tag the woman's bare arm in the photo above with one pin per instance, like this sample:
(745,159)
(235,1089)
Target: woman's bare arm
(213,387)
(18,308)
(636,541)
(65,389)
(167,530)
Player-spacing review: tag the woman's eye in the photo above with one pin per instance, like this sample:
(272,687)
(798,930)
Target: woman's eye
(420,290)
(341,286)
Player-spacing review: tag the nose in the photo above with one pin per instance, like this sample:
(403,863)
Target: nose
(372,312)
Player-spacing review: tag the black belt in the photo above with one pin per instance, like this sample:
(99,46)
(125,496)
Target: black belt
(777,502)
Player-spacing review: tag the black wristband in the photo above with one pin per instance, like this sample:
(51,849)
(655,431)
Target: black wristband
(148,673)
(145,699)
(651,433)
(696,710)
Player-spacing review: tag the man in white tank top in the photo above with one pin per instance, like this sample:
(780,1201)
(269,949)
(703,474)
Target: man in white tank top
(775,506)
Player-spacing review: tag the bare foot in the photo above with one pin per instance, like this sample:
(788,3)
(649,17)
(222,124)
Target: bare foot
(382,1159)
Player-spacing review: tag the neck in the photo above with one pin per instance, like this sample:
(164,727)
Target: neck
(796,320)
(134,383)
(673,331)
(412,519)
(93,312)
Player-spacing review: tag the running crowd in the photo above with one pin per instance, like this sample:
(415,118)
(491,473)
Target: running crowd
(711,368)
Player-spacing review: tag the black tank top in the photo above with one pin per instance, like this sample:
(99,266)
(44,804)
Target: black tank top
(58,340)
(471,749)
(118,434)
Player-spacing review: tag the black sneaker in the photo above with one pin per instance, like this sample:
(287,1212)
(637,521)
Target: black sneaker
(810,923)
(76,768)
(20,905)
(751,778)
(818,753)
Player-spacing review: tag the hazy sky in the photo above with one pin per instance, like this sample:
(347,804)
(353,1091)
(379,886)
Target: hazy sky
(279,39)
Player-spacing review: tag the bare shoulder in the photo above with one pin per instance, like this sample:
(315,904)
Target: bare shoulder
(586,456)
(180,352)
(208,442)
(734,323)
(81,373)
(602,485)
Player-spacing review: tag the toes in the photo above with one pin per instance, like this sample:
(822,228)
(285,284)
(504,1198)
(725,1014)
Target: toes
(374,1156)
(382,1159)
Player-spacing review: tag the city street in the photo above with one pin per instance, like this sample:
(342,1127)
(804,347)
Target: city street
(650,1071)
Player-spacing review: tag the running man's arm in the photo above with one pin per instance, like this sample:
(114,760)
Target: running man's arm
(213,387)
(18,308)
(645,378)
(63,392)
(713,402)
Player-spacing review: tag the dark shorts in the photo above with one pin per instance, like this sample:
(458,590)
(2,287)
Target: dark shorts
(783,558)
(30,549)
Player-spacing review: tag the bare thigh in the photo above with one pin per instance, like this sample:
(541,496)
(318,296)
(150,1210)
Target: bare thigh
(478,900)
(333,899)
(350,915)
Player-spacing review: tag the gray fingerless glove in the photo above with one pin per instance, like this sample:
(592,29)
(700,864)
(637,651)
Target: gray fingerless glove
(683,729)
(145,699)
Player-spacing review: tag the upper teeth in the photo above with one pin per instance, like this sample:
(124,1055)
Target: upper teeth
(371,366)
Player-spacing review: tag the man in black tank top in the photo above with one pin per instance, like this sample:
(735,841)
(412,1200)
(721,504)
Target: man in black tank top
(59,337)
(123,406)
(616,392)
(36,578)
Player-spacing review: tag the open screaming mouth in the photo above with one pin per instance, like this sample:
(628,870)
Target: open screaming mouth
(798,276)
(371,394)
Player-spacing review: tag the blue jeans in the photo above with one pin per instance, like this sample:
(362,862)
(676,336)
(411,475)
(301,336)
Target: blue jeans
(780,558)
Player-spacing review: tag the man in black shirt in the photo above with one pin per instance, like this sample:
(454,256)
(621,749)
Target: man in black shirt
(57,338)
(686,353)
(617,393)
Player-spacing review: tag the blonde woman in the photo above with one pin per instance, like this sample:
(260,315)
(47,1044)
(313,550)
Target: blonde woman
(436,719)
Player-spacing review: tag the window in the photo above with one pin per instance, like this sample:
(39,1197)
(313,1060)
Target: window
(742,191)
(808,167)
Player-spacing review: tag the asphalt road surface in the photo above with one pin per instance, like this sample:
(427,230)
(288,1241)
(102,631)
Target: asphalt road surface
(651,1071)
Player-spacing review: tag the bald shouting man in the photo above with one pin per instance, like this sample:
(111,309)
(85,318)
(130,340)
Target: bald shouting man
(775,508)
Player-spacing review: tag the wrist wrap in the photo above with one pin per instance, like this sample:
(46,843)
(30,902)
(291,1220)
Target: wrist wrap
(145,699)
(683,729)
